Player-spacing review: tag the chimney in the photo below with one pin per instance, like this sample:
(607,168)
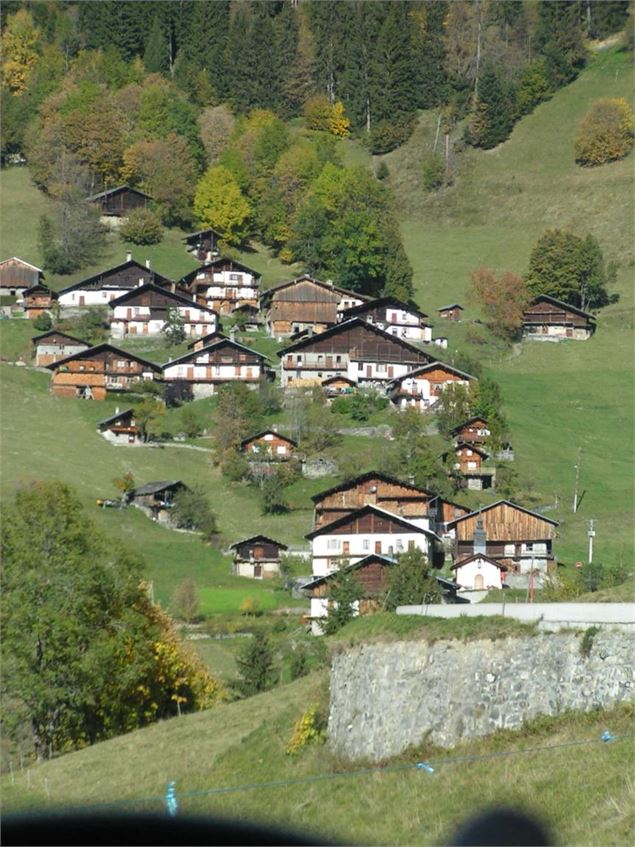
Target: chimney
(208,257)
(116,410)
(310,331)
(148,264)
(480,537)
(274,427)
(411,479)
(232,334)
(128,257)
(141,282)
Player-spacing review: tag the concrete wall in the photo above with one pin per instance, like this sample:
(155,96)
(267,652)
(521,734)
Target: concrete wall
(387,697)
(550,616)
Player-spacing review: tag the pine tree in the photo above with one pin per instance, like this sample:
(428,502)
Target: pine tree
(205,41)
(432,81)
(494,112)
(156,56)
(255,664)
(239,71)
(394,67)
(559,38)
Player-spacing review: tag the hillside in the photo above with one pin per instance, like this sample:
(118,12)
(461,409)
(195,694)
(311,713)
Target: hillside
(576,790)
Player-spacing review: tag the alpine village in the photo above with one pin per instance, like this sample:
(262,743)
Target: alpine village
(316,325)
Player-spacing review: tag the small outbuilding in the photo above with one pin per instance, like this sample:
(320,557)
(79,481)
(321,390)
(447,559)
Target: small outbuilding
(156,499)
(118,202)
(269,445)
(121,428)
(478,573)
(453,312)
(257,557)
(54,345)
(202,244)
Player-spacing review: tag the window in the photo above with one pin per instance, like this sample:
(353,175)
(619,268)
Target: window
(298,360)
(381,368)
(333,544)
(399,545)
(235,277)
(366,544)
(338,359)
(360,366)
(509,550)
(281,449)
(121,363)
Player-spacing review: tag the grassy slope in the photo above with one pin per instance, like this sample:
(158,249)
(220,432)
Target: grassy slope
(580,791)
(557,397)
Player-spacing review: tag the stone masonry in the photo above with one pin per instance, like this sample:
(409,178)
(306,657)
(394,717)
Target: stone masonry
(386,697)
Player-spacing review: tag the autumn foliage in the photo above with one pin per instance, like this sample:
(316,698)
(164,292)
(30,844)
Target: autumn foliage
(606,133)
(502,299)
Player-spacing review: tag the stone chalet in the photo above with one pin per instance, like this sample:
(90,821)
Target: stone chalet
(90,373)
(121,429)
(404,320)
(422,387)
(548,318)
(269,445)
(257,557)
(54,345)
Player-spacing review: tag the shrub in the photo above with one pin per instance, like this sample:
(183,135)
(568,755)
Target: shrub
(185,600)
(142,226)
(433,171)
(388,135)
(382,171)
(317,112)
(308,729)
(255,665)
(177,392)
(43,322)
(586,645)
(251,607)
(192,510)
(606,133)
(234,465)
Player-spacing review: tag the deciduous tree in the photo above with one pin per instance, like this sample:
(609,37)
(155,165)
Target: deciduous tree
(606,133)
(219,203)
(502,298)
(411,581)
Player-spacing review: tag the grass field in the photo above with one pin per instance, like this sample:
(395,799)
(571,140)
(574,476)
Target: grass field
(583,793)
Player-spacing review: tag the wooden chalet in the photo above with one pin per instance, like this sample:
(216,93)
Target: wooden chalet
(268,445)
(442,511)
(373,489)
(99,289)
(404,320)
(257,557)
(223,284)
(54,345)
(469,467)
(16,276)
(220,361)
(512,535)
(248,318)
(156,499)
(372,573)
(370,529)
(473,431)
(479,573)
(355,349)
(91,373)
(422,387)
(452,312)
(118,202)
(338,386)
(202,244)
(38,299)
(122,428)
(144,311)
(548,318)
(303,304)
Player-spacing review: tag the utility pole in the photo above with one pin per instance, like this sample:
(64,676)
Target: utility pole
(577,480)
(591,534)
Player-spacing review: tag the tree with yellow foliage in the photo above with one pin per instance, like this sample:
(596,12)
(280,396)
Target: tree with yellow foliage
(338,123)
(19,43)
(606,133)
(219,203)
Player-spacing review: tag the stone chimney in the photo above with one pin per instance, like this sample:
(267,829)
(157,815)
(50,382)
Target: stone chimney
(480,538)
(148,264)
(128,257)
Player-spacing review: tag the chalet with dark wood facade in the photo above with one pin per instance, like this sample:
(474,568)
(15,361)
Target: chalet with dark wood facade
(512,535)
(452,312)
(144,311)
(422,387)
(16,276)
(548,318)
(257,557)
(118,202)
(304,304)
(202,244)
(268,445)
(101,288)
(54,345)
(248,318)
(373,489)
(405,320)
(91,373)
(223,284)
(156,499)
(368,530)
(469,467)
(355,349)
(473,431)
(38,299)
(220,361)
(122,428)
(338,386)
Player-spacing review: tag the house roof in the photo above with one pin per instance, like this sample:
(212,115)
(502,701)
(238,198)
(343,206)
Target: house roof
(191,276)
(329,286)
(451,502)
(156,487)
(216,336)
(478,556)
(223,340)
(117,416)
(324,530)
(258,538)
(40,287)
(471,447)
(201,232)
(410,306)
(467,423)
(386,561)
(172,295)
(102,348)
(117,190)
(561,305)
(22,262)
(346,325)
(500,503)
(89,280)
(338,378)
(450,306)
(423,368)
(267,432)
(43,335)
(353,483)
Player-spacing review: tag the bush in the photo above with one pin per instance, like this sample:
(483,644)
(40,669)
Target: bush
(185,600)
(382,171)
(310,728)
(433,171)
(192,510)
(143,226)
(234,465)
(177,392)
(43,322)
(255,665)
(388,135)
(606,133)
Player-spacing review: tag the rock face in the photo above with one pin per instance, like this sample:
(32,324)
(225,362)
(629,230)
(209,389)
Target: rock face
(386,697)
